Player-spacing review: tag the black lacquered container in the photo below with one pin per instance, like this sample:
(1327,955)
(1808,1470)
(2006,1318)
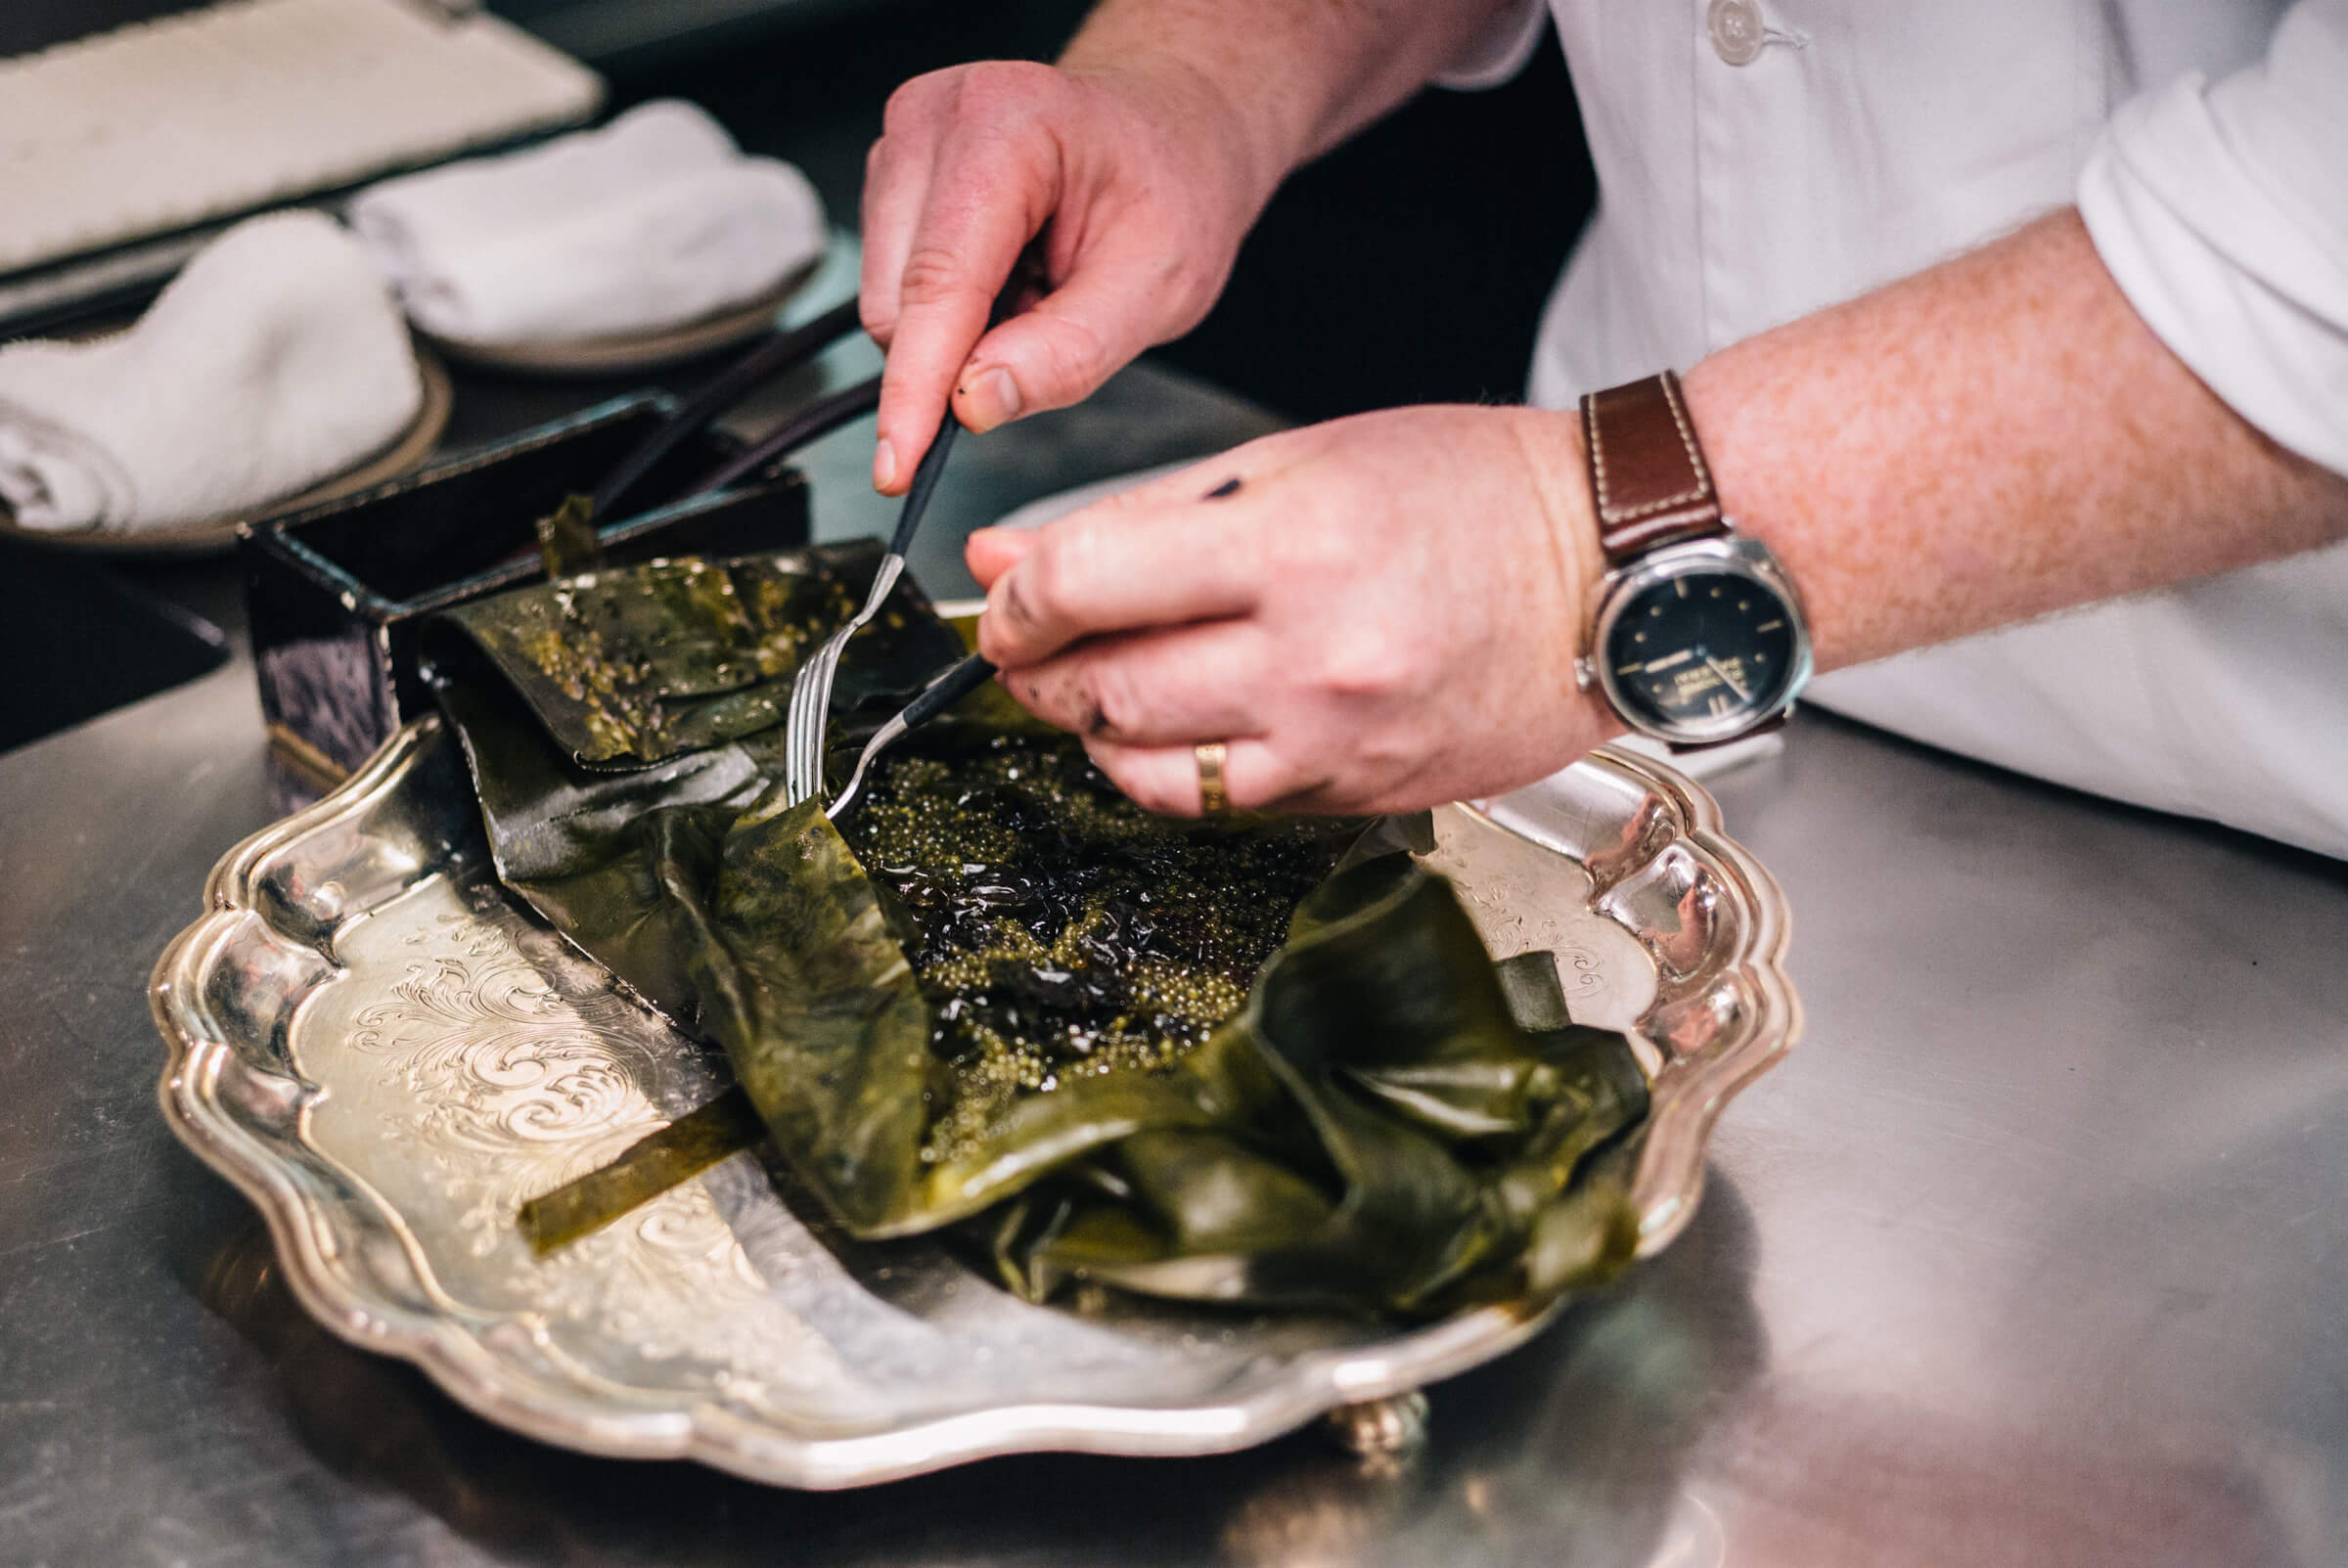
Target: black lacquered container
(336,593)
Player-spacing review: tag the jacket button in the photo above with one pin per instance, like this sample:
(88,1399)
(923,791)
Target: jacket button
(1737,30)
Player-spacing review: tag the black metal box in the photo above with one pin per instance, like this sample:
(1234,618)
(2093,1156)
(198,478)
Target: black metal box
(336,593)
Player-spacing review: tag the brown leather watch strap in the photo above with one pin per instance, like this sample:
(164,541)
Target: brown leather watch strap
(1647,474)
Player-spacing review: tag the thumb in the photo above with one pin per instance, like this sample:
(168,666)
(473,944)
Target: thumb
(989,553)
(1062,348)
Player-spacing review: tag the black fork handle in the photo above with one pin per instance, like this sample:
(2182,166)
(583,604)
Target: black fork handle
(924,483)
(947,690)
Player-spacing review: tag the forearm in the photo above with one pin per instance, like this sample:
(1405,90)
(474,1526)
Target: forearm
(1298,75)
(1991,440)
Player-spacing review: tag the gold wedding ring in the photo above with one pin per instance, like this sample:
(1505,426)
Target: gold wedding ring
(1212,801)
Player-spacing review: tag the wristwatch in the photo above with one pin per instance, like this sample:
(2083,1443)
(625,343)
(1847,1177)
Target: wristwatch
(1696,635)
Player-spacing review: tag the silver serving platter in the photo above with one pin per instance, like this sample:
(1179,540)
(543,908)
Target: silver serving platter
(387,1054)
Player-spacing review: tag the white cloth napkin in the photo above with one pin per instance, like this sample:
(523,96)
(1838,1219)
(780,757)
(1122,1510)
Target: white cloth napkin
(653,221)
(274,360)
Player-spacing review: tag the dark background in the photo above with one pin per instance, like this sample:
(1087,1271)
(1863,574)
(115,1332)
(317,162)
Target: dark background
(1409,266)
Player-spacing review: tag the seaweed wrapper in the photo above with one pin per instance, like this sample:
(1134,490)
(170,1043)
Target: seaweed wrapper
(629,668)
(1389,1124)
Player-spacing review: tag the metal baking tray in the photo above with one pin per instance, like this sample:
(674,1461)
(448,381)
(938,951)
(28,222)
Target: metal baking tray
(387,1054)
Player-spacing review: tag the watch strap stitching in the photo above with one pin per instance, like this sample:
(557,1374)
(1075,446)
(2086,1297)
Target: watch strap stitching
(1700,477)
(1699,491)
(1631,536)
(1597,442)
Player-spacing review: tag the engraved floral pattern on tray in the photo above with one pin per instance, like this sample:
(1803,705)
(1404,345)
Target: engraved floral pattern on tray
(492,1074)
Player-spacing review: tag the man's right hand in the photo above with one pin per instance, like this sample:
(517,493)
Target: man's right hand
(1141,184)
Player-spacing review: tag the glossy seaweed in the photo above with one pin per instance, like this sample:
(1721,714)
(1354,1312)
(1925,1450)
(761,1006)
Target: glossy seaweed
(1263,1060)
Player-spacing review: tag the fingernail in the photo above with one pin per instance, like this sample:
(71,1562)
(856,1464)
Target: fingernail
(994,399)
(884,465)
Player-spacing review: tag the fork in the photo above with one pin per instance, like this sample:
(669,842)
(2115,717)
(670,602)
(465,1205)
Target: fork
(937,697)
(811,690)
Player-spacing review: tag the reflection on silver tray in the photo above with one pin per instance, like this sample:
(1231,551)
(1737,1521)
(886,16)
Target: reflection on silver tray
(388,1056)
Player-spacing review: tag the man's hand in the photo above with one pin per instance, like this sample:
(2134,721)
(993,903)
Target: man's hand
(1374,614)
(1141,184)
(1139,163)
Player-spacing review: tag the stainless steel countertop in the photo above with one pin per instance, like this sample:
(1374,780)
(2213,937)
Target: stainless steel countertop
(2032,1253)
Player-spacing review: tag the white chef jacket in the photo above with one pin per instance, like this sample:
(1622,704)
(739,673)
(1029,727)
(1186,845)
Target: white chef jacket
(1758,159)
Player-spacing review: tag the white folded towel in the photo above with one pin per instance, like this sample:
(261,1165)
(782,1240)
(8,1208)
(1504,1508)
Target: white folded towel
(274,360)
(653,221)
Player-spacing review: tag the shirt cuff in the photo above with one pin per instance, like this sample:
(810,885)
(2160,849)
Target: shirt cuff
(1499,51)
(2224,222)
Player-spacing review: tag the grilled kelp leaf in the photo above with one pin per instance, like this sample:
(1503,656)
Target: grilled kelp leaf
(809,992)
(1385,1134)
(1179,1058)
(632,667)
(675,1154)
(619,862)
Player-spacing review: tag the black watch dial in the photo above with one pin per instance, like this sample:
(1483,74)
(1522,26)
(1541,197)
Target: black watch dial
(1702,652)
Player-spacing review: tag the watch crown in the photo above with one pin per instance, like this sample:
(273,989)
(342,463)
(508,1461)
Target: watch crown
(1585,674)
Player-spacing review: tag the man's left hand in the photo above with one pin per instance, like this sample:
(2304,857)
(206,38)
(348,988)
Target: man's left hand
(1373,614)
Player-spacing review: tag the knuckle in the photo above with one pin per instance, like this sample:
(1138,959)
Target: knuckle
(1075,356)
(1049,578)
(1187,293)
(1016,618)
(1167,802)
(1057,696)
(1007,630)
(1000,89)
(933,273)
(1147,788)
(904,387)
(912,103)
(1090,546)
(880,161)
(997,637)
(1283,784)
(1324,552)
(1028,693)
(1111,701)
(1364,666)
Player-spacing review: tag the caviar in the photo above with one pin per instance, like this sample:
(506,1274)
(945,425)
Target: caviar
(1059,930)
